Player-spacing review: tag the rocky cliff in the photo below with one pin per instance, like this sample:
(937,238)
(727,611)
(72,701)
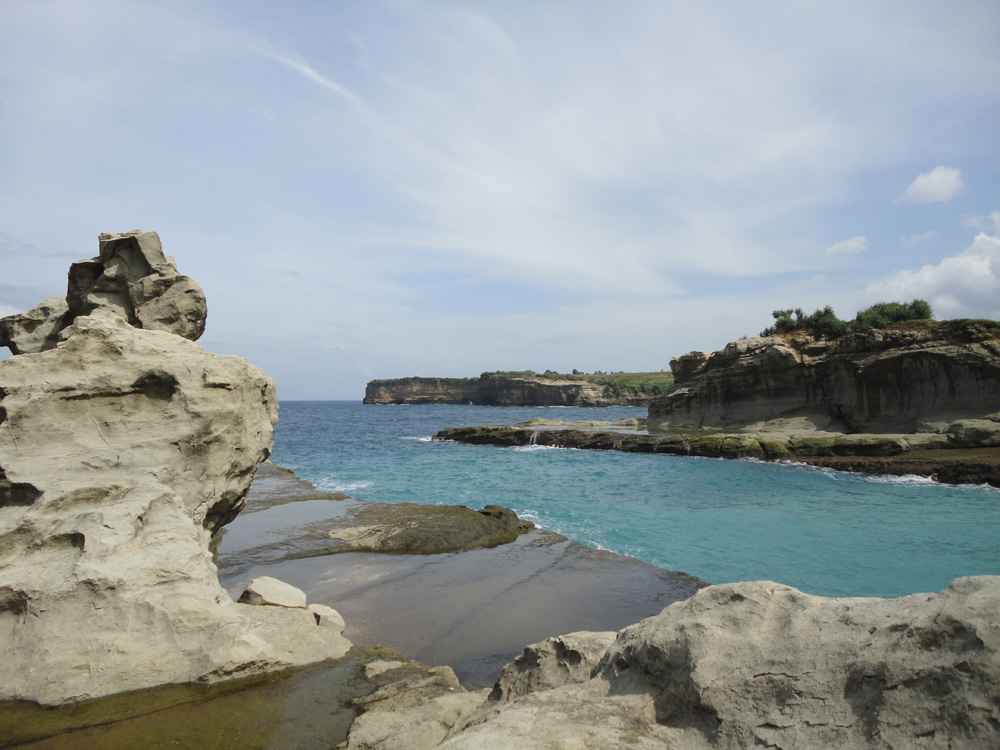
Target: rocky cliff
(123,447)
(907,378)
(492,389)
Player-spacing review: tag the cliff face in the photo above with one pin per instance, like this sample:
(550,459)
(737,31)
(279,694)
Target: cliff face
(421,391)
(895,380)
(498,390)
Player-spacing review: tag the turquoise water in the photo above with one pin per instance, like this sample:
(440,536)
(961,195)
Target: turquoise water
(825,532)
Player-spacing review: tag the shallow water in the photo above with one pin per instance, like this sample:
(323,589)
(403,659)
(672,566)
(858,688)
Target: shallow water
(306,709)
(825,532)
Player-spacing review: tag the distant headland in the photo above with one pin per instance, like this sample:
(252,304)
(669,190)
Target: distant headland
(525,388)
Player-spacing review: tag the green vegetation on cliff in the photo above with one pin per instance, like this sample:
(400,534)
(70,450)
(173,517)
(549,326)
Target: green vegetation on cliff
(396,382)
(652,383)
(824,323)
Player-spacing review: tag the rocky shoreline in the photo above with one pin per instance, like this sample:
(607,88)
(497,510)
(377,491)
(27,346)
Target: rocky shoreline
(928,455)
(459,600)
(147,600)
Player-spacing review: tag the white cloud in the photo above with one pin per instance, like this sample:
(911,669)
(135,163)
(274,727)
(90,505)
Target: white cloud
(941,184)
(920,238)
(966,285)
(852,246)
(990,223)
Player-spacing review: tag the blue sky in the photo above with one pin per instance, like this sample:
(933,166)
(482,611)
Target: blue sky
(382,189)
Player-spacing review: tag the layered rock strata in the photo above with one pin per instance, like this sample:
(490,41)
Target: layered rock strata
(738,665)
(123,447)
(491,389)
(916,377)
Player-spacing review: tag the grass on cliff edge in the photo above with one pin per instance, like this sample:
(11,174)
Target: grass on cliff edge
(652,383)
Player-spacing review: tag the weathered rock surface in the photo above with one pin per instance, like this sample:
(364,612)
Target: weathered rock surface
(562,660)
(36,330)
(764,665)
(904,379)
(491,389)
(121,451)
(130,277)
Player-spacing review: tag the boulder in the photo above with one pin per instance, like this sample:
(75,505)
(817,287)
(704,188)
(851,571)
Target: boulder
(122,450)
(132,278)
(327,617)
(267,591)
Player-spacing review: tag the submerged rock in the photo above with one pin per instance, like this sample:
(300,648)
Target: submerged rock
(756,665)
(121,451)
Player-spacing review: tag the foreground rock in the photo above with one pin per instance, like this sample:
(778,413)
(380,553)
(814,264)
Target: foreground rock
(744,665)
(122,450)
(909,378)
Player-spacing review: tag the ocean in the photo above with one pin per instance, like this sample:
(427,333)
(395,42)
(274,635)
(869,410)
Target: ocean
(824,532)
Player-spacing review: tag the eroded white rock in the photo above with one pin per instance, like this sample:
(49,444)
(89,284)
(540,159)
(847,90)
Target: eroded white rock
(121,451)
(267,591)
(749,665)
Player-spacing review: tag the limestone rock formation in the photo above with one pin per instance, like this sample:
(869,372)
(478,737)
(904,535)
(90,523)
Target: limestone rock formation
(764,665)
(122,450)
(131,277)
(494,389)
(912,378)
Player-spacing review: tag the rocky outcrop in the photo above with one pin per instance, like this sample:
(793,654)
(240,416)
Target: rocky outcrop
(750,665)
(408,528)
(492,389)
(959,455)
(122,449)
(916,377)
(129,276)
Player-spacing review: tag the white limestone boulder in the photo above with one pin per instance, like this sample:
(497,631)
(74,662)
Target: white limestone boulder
(121,451)
(267,591)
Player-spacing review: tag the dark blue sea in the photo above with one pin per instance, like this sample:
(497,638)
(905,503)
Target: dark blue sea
(825,532)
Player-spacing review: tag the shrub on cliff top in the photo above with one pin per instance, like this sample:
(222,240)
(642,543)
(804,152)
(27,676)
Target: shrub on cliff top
(825,324)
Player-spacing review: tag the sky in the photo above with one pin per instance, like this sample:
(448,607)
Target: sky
(374,189)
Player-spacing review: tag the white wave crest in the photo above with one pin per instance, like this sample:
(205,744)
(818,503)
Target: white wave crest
(332,485)
(909,479)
